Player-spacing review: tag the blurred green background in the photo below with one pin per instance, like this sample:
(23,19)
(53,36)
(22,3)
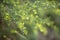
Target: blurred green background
(29,19)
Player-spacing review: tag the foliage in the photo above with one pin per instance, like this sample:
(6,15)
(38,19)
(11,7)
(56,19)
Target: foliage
(21,19)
